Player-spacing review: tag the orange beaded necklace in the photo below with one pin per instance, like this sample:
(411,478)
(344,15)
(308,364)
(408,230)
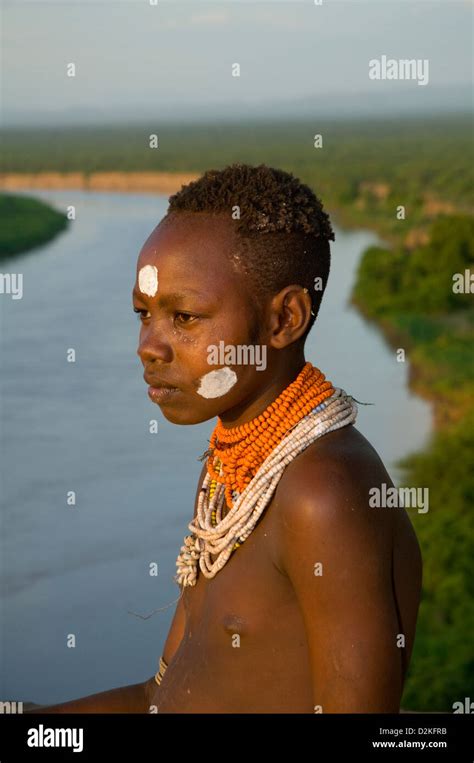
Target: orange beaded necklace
(235,454)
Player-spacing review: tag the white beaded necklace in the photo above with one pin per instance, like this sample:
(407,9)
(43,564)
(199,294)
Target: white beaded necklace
(335,412)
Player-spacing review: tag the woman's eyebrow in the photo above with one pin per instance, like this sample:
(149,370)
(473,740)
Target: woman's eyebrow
(172,297)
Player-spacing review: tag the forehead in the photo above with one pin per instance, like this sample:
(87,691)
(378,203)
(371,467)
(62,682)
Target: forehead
(193,247)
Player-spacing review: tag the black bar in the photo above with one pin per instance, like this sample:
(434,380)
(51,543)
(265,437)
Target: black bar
(446,736)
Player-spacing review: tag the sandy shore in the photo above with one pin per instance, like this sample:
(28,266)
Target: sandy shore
(140,182)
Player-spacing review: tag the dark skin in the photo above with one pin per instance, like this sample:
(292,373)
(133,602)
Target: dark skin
(267,634)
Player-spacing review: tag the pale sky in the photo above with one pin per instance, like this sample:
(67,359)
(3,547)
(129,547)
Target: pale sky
(172,60)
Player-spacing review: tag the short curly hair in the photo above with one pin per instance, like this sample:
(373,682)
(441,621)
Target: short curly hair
(283,233)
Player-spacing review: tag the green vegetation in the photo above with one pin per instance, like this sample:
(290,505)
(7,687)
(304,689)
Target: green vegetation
(26,223)
(411,295)
(389,279)
(442,666)
(365,169)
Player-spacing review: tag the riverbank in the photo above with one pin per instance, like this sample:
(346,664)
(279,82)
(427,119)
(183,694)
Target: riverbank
(29,223)
(121,182)
(409,294)
(366,210)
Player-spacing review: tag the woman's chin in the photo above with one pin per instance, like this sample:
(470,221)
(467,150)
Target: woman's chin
(184,417)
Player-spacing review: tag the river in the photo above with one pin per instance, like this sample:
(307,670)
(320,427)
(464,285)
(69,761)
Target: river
(75,578)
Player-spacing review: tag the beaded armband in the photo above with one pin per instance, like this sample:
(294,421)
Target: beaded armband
(161,671)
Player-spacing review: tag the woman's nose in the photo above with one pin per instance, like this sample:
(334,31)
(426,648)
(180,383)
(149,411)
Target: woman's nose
(153,347)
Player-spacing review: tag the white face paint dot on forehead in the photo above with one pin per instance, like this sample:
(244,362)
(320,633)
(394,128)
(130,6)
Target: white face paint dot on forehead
(217,383)
(148,280)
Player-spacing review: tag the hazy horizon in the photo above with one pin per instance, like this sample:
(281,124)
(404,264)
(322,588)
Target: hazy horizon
(136,62)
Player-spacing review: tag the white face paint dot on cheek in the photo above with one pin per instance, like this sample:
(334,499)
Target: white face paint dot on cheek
(217,383)
(148,280)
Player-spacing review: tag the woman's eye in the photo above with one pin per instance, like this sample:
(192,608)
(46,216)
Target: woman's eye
(139,312)
(185,316)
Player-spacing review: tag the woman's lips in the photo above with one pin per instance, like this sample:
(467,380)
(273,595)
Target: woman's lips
(160,394)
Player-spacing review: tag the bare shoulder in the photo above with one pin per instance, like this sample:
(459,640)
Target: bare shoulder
(323,496)
(337,553)
(342,462)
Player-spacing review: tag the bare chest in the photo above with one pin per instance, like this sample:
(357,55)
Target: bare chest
(244,645)
(246,599)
